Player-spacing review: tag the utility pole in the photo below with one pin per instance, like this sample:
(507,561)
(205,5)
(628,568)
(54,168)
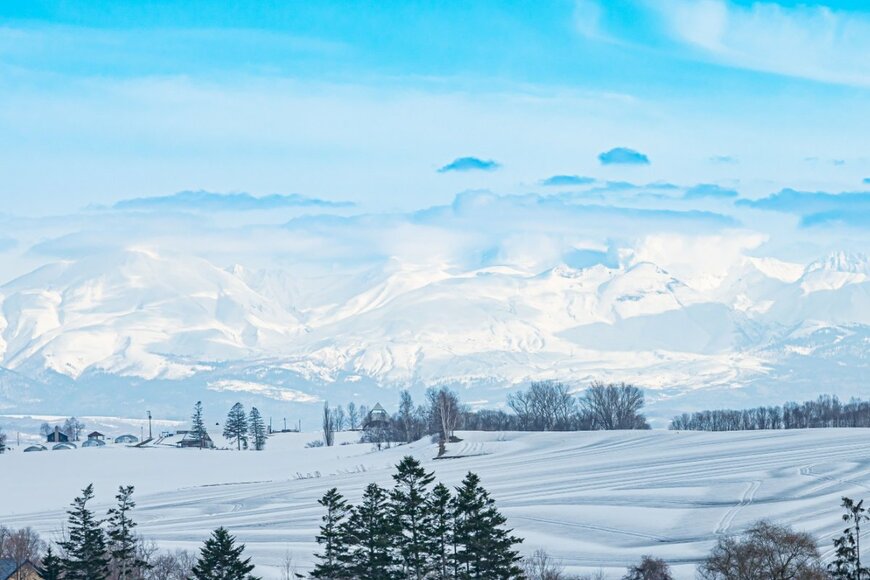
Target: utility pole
(149,425)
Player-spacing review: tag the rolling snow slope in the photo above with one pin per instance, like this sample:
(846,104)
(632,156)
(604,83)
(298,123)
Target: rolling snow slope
(594,500)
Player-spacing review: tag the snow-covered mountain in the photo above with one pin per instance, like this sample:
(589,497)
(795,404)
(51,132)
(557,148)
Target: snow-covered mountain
(139,317)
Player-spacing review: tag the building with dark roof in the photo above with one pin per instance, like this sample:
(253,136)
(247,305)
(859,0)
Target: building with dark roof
(10,570)
(57,436)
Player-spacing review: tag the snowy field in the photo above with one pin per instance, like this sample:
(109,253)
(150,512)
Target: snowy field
(596,500)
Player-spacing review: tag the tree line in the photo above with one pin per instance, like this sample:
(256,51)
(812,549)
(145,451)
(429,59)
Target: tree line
(825,412)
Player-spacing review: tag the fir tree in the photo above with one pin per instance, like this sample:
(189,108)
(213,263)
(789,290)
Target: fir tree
(123,543)
(257,429)
(371,532)
(332,538)
(51,568)
(236,427)
(441,531)
(85,549)
(220,559)
(198,424)
(409,508)
(484,549)
(847,561)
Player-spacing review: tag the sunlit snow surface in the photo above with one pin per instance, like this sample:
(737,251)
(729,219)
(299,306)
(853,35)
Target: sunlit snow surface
(594,500)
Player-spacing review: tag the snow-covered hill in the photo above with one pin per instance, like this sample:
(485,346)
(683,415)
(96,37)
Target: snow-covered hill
(141,317)
(595,500)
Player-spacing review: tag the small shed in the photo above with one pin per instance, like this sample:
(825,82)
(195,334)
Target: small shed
(10,570)
(96,436)
(126,439)
(191,439)
(57,436)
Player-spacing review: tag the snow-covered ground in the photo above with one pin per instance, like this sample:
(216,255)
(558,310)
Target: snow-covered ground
(594,499)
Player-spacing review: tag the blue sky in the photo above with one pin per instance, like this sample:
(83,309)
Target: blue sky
(675,107)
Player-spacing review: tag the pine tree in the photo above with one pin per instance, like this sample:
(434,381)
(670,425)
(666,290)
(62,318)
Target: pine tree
(371,533)
(198,425)
(51,568)
(847,561)
(123,544)
(236,427)
(85,549)
(2,441)
(257,429)
(484,549)
(332,538)
(409,505)
(441,531)
(220,559)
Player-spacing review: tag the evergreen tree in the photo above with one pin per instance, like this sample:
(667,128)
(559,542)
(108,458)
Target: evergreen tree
(51,568)
(441,531)
(198,424)
(123,543)
(236,426)
(257,429)
(847,561)
(371,533)
(220,559)
(85,549)
(410,510)
(332,538)
(484,549)
(2,441)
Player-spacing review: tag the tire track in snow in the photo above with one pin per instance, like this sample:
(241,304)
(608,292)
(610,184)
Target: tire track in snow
(747,498)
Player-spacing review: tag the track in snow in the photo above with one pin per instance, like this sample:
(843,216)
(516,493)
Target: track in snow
(594,500)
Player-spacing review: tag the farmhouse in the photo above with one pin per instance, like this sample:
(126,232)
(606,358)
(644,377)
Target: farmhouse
(57,436)
(96,436)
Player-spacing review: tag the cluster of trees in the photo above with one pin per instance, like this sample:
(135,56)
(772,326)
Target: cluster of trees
(440,415)
(110,549)
(416,530)
(240,426)
(544,406)
(71,427)
(824,412)
(550,406)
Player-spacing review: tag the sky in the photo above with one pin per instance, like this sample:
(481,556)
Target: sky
(222,126)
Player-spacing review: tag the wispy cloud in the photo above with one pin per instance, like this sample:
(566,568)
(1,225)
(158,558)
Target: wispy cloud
(709,190)
(724,159)
(470,164)
(567,180)
(623,156)
(811,202)
(208,201)
(811,42)
(867,180)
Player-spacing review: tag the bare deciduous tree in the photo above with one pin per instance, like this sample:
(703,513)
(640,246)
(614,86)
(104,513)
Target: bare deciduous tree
(649,568)
(352,416)
(21,546)
(768,551)
(445,411)
(545,406)
(541,566)
(614,406)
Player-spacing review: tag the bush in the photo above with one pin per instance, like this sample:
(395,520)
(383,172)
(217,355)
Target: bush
(766,551)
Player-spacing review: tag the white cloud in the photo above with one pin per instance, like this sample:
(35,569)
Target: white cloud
(811,42)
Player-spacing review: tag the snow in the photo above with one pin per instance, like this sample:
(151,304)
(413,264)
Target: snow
(287,335)
(593,499)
